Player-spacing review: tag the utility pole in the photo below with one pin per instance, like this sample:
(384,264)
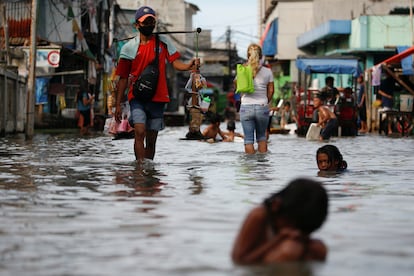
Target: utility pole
(31,83)
(227,79)
(228,44)
(5,55)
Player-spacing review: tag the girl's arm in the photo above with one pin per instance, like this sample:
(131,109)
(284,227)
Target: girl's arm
(270,91)
(181,66)
(384,94)
(222,134)
(238,135)
(251,234)
(251,245)
(86,100)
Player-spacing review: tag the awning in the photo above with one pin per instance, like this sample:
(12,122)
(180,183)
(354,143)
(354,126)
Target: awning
(268,41)
(324,31)
(329,65)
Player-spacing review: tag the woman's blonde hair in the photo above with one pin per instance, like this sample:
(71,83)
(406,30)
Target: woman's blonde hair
(254,54)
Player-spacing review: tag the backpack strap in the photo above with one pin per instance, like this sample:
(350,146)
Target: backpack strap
(157,49)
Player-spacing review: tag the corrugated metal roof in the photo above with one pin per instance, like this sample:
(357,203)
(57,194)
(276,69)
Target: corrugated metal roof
(18,16)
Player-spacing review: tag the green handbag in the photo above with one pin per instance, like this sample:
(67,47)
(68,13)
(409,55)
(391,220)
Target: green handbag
(244,81)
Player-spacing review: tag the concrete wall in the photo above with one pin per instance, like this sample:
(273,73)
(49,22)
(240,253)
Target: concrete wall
(381,31)
(176,14)
(52,21)
(325,10)
(293,19)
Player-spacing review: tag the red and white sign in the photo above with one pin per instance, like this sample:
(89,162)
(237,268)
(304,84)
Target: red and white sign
(53,58)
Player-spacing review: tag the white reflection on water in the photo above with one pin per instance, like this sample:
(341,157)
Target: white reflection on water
(81,206)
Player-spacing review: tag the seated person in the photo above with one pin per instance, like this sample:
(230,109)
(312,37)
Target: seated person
(279,229)
(329,159)
(329,92)
(326,118)
(230,134)
(287,115)
(347,113)
(213,129)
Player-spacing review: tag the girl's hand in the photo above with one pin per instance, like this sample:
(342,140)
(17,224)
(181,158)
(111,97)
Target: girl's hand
(194,64)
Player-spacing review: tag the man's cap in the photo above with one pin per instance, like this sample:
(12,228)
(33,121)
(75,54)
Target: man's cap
(143,13)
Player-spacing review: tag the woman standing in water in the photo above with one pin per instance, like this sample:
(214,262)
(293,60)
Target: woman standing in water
(84,104)
(254,108)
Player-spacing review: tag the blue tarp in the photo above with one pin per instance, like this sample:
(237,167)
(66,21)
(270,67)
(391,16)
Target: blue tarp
(270,41)
(407,62)
(329,65)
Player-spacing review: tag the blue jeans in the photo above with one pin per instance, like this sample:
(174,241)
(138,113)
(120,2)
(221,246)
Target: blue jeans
(151,114)
(254,119)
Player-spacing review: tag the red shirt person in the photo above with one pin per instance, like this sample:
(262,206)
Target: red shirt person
(147,117)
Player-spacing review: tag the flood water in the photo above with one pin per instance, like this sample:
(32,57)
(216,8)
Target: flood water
(81,206)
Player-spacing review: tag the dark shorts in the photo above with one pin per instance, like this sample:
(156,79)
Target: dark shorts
(150,113)
(86,117)
(330,128)
(363,113)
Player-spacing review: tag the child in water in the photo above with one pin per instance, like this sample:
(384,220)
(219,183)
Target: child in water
(329,159)
(279,229)
(231,134)
(212,131)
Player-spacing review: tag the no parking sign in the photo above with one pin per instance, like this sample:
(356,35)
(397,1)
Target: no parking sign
(46,57)
(53,58)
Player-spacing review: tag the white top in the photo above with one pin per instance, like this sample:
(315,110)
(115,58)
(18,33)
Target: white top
(259,96)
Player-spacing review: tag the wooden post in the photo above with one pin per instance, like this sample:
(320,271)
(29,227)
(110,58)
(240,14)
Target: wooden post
(368,98)
(31,82)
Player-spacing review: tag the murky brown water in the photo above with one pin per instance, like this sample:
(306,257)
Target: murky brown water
(80,206)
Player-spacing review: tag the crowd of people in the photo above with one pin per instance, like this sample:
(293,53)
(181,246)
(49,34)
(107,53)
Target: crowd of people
(280,228)
(146,119)
(336,109)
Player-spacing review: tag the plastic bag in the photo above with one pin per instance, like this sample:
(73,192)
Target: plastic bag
(244,81)
(113,127)
(313,133)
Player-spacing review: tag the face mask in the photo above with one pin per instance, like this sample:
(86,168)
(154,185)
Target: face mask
(146,30)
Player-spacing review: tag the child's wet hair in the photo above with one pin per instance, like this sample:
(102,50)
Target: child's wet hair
(304,202)
(333,154)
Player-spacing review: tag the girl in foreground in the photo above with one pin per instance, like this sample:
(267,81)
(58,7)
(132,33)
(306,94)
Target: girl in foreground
(279,229)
